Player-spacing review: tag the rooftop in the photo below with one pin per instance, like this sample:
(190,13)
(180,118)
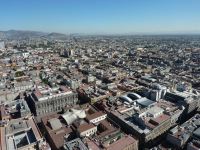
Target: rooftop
(185,131)
(43,94)
(57,128)
(122,143)
(146,119)
(85,127)
(95,115)
(20,133)
(75,144)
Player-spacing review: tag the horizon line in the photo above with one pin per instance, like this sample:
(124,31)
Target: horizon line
(107,33)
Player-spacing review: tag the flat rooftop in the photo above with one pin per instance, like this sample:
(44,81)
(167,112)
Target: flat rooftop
(57,128)
(122,143)
(19,133)
(146,119)
(187,128)
(44,94)
(75,144)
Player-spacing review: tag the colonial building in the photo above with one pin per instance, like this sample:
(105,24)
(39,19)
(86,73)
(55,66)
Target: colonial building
(43,101)
(22,134)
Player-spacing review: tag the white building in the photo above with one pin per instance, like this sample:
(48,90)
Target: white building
(96,117)
(2,45)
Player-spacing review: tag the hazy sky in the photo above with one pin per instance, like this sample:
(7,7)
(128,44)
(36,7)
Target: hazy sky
(101,16)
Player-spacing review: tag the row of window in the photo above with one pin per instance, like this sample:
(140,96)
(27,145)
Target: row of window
(91,132)
(41,112)
(56,102)
(98,119)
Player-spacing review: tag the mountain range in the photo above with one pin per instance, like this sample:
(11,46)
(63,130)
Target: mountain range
(20,34)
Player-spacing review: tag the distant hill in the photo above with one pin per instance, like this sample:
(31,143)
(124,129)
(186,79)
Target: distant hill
(56,36)
(19,34)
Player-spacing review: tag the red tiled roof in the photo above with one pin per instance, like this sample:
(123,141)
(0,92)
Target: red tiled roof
(122,143)
(85,127)
(95,115)
(36,131)
(57,136)
(161,118)
(153,122)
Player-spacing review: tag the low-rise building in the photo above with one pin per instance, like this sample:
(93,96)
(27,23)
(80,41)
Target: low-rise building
(179,135)
(14,109)
(189,99)
(125,142)
(95,116)
(22,134)
(86,129)
(143,118)
(56,129)
(75,144)
(43,101)
(193,145)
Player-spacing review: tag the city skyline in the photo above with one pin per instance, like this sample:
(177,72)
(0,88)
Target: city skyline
(100,75)
(102,17)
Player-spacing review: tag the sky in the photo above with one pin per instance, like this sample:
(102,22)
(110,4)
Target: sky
(101,16)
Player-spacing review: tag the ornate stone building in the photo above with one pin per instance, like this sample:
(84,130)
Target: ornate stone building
(45,101)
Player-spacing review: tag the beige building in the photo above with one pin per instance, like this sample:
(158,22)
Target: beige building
(86,129)
(22,134)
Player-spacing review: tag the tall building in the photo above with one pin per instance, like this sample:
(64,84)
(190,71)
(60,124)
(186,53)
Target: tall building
(66,53)
(2,45)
